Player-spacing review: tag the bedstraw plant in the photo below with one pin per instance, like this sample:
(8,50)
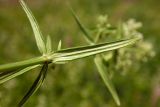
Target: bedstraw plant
(121,60)
(61,56)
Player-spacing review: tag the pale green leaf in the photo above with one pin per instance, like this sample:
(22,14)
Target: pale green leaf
(59,45)
(105,76)
(37,83)
(15,74)
(87,34)
(35,27)
(65,55)
(80,52)
(48,45)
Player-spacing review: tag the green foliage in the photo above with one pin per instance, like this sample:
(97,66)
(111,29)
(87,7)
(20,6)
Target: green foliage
(5,76)
(35,27)
(37,83)
(98,60)
(60,56)
(104,30)
(59,45)
(81,26)
(134,71)
(49,45)
(105,76)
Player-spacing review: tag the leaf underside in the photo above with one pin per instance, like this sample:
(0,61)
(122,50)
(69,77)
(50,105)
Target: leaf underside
(85,51)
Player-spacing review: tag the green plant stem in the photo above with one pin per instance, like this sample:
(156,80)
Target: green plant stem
(23,64)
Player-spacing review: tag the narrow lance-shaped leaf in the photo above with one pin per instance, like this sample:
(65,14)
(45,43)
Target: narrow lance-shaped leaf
(98,35)
(102,71)
(7,73)
(15,74)
(80,52)
(82,27)
(48,45)
(35,27)
(101,67)
(59,45)
(85,31)
(37,83)
(65,55)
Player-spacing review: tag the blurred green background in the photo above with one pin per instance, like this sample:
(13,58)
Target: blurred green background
(77,84)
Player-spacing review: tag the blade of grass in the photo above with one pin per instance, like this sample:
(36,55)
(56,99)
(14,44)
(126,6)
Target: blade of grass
(80,52)
(48,45)
(16,73)
(37,83)
(87,34)
(35,27)
(105,76)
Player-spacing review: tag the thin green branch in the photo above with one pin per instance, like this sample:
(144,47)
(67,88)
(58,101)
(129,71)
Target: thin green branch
(23,64)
